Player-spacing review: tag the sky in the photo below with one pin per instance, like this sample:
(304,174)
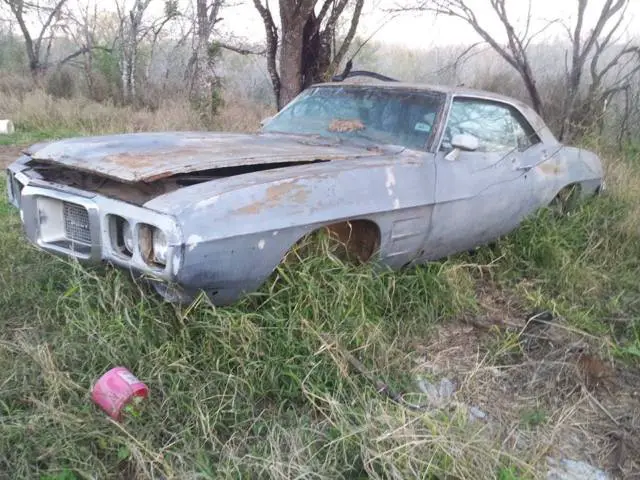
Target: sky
(418,31)
(425,31)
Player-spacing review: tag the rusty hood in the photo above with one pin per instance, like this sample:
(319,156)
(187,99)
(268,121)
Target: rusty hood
(145,157)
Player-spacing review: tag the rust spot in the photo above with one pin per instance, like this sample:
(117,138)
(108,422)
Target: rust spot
(137,193)
(251,209)
(550,168)
(275,195)
(346,125)
(133,160)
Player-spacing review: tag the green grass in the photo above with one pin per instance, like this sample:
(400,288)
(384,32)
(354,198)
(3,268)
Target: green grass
(253,390)
(22,136)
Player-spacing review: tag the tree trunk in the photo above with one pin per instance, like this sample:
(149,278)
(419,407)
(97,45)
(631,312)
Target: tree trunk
(202,71)
(534,93)
(290,57)
(123,78)
(316,52)
(305,54)
(127,70)
(132,72)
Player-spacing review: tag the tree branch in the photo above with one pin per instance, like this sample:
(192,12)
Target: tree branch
(76,54)
(346,43)
(56,10)
(241,50)
(272,47)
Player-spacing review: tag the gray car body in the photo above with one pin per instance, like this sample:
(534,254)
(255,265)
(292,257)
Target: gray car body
(228,235)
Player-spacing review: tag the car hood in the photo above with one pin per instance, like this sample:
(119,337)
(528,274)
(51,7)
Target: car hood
(145,157)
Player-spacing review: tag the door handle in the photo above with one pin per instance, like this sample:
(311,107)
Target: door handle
(518,166)
(524,168)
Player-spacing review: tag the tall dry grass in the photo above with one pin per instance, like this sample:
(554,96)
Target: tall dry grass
(36,111)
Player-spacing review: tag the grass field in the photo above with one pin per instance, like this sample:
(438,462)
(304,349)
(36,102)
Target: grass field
(264,389)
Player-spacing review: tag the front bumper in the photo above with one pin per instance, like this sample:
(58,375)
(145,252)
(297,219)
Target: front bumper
(87,235)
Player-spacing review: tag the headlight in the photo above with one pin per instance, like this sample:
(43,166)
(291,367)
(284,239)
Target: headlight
(153,244)
(160,247)
(127,236)
(121,235)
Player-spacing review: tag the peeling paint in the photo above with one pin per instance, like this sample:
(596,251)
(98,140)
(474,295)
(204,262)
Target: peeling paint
(275,233)
(207,202)
(550,168)
(193,241)
(175,264)
(391,180)
(396,203)
(261,244)
(275,195)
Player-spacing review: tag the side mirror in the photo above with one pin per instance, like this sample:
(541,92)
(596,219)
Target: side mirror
(264,121)
(465,142)
(462,142)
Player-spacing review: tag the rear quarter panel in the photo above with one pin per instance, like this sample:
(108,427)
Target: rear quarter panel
(580,166)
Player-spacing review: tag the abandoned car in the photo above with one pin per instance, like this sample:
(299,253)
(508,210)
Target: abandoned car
(408,173)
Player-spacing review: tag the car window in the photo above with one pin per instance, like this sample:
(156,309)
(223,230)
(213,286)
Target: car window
(498,127)
(377,114)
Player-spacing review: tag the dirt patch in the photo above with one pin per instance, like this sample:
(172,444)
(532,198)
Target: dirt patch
(548,391)
(8,154)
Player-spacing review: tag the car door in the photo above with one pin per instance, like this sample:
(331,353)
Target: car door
(484,193)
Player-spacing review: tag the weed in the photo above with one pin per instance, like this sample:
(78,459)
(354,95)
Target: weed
(533,418)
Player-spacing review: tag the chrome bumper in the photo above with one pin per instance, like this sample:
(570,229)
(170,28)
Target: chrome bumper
(41,202)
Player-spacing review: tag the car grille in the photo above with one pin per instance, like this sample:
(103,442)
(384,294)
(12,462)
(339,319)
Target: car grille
(16,189)
(76,223)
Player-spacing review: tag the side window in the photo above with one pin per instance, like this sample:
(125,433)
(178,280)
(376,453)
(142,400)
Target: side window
(526,136)
(498,127)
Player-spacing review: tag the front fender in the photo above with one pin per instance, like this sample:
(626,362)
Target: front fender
(237,230)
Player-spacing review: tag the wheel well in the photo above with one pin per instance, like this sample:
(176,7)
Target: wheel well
(359,238)
(566,198)
(351,240)
(568,191)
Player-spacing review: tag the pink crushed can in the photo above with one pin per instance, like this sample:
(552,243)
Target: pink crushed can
(116,389)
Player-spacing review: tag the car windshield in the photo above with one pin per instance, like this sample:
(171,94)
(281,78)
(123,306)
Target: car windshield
(380,115)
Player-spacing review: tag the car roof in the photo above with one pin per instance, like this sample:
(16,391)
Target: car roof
(529,113)
(446,89)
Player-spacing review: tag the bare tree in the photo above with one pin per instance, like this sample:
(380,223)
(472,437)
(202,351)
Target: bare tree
(83,34)
(132,32)
(130,36)
(515,50)
(171,12)
(321,57)
(586,49)
(592,49)
(38,46)
(201,67)
(307,42)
